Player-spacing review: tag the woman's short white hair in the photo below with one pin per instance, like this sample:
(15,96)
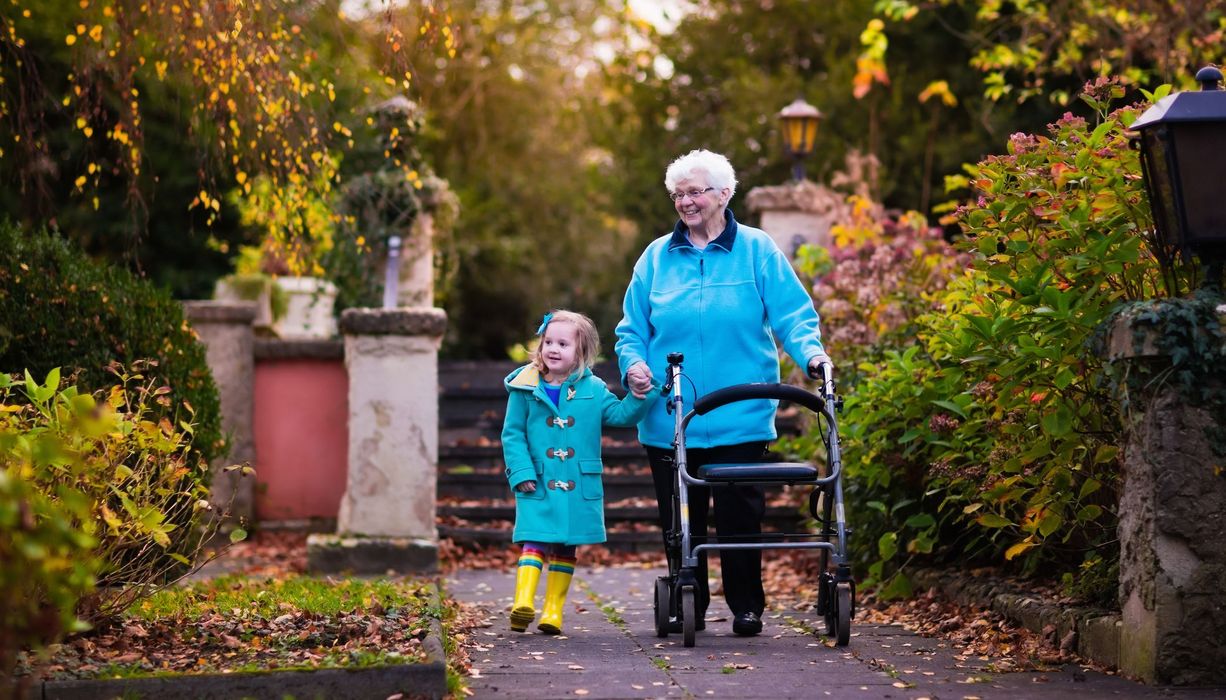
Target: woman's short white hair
(716,167)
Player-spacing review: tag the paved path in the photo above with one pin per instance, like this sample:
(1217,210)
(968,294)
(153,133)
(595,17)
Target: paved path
(609,650)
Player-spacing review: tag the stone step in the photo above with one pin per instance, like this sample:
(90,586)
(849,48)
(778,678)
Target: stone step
(493,484)
(775,515)
(490,456)
(628,541)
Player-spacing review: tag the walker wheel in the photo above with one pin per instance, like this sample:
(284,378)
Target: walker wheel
(842,614)
(688,614)
(663,605)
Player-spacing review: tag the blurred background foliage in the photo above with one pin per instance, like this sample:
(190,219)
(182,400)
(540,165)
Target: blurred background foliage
(552,121)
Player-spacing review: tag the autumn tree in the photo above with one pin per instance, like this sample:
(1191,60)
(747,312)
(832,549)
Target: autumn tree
(1026,49)
(510,127)
(719,78)
(124,121)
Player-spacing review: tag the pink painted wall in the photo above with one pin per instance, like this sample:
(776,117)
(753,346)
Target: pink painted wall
(301,438)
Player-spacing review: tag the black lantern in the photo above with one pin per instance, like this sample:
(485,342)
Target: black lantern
(799,123)
(1182,140)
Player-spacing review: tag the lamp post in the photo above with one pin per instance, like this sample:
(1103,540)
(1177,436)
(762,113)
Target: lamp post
(1182,141)
(799,125)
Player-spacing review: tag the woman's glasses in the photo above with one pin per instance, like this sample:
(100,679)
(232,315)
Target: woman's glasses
(692,194)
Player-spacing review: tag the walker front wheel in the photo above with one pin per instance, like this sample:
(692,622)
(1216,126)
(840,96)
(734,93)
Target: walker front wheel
(842,614)
(663,605)
(688,615)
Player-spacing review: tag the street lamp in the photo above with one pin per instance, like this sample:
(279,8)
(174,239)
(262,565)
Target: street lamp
(1182,141)
(799,122)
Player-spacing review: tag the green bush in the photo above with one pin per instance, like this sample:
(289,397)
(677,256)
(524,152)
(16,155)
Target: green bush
(60,309)
(47,563)
(994,438)
(129,478)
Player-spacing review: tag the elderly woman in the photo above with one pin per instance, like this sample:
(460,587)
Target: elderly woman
(722,293)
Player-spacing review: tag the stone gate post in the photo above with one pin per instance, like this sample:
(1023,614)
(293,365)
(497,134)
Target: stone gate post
(387,515)
(797,212)
(225,328)
(1172,528)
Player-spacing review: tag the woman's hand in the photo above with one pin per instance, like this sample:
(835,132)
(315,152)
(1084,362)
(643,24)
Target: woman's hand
(815,365)
(526,487)
(639,379)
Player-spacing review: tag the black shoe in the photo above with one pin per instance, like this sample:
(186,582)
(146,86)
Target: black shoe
(747,624)
(674,625)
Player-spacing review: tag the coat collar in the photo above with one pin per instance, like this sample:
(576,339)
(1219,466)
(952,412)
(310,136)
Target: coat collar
(725,240)
(529,378)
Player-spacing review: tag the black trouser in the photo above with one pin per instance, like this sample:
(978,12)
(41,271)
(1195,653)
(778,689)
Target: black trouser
(738,511)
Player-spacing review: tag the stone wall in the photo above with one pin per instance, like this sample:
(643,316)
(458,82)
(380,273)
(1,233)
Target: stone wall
(1172,531)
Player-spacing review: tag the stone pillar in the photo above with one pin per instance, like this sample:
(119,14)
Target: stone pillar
(1172,531)
(387,515)
(798,212)
(225,328)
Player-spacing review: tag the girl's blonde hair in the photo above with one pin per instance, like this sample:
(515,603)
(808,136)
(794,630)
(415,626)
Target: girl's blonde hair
(587,340)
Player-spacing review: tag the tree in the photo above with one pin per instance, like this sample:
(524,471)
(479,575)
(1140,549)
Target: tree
(123,122)
(706,86)
(510,130)
(1030,49)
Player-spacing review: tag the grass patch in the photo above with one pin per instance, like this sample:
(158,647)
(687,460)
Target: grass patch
(237,624)
(271,597)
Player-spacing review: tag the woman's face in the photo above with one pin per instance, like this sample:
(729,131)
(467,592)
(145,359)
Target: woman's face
(705,211)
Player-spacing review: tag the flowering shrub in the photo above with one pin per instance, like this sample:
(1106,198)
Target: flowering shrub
(993,435)
(877,278)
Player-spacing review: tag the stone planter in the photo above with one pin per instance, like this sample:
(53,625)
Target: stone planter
(308,308)
(255,288)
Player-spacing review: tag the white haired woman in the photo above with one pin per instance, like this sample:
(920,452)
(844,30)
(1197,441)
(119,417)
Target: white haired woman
(722,293)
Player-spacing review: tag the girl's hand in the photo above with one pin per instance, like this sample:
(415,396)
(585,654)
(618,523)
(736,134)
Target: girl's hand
(526,487)
(638,379)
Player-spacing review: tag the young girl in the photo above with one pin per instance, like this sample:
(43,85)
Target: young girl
(551,446)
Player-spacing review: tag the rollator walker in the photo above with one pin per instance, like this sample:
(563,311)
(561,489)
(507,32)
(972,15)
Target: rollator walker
(675,593)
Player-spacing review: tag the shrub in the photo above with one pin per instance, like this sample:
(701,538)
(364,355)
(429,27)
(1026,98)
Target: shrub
(60,309)
(127,476)
(994,435)
(47,563)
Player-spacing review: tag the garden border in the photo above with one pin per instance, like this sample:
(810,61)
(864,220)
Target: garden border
(1095,632)
(424,680)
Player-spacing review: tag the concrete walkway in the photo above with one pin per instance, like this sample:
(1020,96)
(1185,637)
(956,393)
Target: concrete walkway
(609,650)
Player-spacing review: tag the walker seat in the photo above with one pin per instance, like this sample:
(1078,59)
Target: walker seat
(760,472)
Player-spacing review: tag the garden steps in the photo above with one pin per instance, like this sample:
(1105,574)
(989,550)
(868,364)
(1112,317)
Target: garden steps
(475,506)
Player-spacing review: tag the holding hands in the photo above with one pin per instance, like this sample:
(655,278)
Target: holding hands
(638,377)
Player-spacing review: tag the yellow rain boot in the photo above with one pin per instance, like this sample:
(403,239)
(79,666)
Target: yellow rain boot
(556,586)
(523,610)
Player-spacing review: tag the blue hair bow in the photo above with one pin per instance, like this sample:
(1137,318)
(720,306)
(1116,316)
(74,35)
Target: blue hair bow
(544,323)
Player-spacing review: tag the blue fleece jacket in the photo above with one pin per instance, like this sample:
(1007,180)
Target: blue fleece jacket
(724,307)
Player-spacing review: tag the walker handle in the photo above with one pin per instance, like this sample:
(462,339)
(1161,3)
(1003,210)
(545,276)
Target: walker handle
(761,390)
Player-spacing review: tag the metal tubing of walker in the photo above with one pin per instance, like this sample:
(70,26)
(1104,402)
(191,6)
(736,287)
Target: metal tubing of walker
(680,464)
(764,545)
(836,462)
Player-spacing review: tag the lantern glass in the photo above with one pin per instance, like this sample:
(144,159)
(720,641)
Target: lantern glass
(800,134)
(1159,180)
(1201,175)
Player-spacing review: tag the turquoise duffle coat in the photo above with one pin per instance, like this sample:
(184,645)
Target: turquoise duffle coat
(558,447)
